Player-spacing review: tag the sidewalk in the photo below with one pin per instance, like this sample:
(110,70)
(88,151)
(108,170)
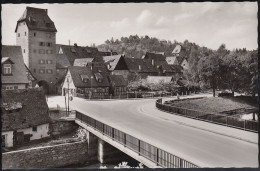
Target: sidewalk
(202,125)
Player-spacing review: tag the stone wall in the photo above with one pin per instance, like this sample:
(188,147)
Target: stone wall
(62,127)
(46,157)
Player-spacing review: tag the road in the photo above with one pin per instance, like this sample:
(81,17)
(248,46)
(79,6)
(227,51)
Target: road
(204,148)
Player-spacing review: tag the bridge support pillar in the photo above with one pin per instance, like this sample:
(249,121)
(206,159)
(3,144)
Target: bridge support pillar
(92,145)
(108,153)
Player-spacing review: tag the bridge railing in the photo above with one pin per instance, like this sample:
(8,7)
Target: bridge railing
(230,121)
(154,154)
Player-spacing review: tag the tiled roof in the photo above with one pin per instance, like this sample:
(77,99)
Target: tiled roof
(37,19)
(18,69)
(70,53)
(112,61)
(140,65)
(82,61)
(166,67)
(159,79)
(172,60)
(77,71)
(154,56)
(117,80)
(34,109)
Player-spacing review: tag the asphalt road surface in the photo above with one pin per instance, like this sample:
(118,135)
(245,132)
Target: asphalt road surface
(201,147)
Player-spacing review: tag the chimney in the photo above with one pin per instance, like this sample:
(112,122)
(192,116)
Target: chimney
(140,67)
(46,10)
(153,62)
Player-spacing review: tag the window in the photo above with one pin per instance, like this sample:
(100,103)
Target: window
(49,62)
(25,33)
(34,129)
(49,71)
(7,69)
(18,34)
(34,51)
(84,78)
(34,70)
(41,61)
(34,34)
(42,43)
(49,44)
(15,87)
(41,51)
(24,51)
(3,140)
(41,71)
(49,51)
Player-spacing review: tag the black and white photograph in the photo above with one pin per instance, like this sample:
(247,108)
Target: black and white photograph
(129,85)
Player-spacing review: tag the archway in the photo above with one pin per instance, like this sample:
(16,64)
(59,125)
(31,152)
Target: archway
(44,85)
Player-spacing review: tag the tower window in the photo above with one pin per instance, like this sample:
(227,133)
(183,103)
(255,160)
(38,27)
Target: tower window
(34,34)
(25,33)
(41,51)
(24,51)
(49,71)
(42,43)
(49,44)
(34,51)
(18,34)
(41,61)
(41,71)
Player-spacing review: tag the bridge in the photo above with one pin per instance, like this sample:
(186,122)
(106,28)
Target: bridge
(158,139)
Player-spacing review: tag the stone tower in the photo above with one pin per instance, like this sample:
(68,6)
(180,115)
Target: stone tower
(36,34)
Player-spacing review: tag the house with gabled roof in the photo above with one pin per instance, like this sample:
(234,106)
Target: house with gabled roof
(112,61)
(180,54)
(13,69)
(25,116)
(118,85)
(134,68)
(154,56)
(90,81)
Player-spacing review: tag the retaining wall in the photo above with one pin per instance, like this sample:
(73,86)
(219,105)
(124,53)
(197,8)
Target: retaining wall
(46,157)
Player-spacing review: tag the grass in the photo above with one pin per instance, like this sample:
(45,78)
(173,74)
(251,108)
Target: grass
(212,105)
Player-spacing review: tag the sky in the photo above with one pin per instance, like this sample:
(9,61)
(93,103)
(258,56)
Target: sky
(206,23)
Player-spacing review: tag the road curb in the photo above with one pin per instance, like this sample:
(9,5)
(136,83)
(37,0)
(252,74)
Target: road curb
(239,138)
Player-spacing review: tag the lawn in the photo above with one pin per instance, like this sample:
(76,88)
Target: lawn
(212,105)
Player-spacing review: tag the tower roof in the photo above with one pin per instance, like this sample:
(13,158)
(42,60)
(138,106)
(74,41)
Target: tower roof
(37,19)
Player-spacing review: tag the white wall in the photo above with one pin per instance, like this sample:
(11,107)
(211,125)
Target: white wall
(42,131)
(65,83)
(8,138)
(11,86)
(185,64)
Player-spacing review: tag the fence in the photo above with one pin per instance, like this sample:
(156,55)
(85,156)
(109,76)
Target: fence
(222,119)
(154,154)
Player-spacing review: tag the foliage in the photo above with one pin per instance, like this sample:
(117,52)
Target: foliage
(235,70)
(81,134)
(124,165)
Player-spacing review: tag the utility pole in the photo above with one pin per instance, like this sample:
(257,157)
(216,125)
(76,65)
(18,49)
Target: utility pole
(68,96)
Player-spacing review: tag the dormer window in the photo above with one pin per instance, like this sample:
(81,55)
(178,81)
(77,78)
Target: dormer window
(98,77)
(7,69)
(84,78)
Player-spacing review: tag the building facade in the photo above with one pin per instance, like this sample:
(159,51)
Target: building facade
(36,34)
(13,69)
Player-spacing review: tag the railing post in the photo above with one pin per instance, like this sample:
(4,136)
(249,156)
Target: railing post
(139,147)
(157,156)
(113,133)
(226,121)
(103,129)
(125,139)
(244,124)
